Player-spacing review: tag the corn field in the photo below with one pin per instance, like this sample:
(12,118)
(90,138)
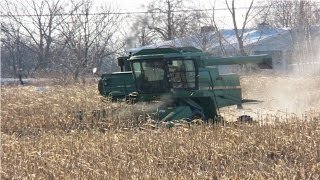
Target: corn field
(59,132)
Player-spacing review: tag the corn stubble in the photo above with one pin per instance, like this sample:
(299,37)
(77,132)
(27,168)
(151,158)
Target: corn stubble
(44,137)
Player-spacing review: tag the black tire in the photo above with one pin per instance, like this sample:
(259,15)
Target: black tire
(198,115)
(245,119)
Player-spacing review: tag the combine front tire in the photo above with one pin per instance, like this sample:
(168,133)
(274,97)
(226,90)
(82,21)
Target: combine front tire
(244,119)
(198,115)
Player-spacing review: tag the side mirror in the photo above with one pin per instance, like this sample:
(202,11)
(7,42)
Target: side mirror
(94,70)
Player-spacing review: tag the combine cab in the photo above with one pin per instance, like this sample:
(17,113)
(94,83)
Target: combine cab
(184,83)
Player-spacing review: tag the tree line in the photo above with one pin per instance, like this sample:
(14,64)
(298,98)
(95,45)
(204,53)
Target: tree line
(56,38)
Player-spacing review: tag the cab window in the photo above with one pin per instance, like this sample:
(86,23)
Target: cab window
(182,73)
(150,76)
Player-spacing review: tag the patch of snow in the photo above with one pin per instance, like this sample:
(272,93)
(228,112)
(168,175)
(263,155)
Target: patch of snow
(40,89)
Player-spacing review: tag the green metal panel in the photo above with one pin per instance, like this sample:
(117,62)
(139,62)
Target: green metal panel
(207,78)
(174,113)
(208,105)
(264,60)
(157,51)
(227,90)
(117,85)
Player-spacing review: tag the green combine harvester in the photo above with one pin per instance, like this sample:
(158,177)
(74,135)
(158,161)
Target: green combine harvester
(179,83)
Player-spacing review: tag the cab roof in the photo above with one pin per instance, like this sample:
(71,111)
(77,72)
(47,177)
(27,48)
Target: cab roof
(158,53)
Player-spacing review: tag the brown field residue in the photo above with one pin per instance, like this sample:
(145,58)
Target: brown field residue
(44,137)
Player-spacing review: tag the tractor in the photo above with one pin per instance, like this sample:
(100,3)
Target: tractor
(179,83)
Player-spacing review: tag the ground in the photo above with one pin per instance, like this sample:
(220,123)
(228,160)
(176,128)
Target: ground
(43,136)
(280,97)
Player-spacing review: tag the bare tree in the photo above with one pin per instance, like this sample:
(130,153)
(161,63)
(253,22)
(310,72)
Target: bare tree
(166,20)
(170,18)
(89,38)
(13,43)
(289,14)
(299,17)
(239,26)
(219,35)
(38,22)
(141,31)
(239,32)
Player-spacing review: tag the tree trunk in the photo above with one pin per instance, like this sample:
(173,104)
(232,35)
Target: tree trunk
(76,75)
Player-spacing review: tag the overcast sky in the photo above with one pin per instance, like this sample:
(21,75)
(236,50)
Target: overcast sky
(222,15)
(135,5)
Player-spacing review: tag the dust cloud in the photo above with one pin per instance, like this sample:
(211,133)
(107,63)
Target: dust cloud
(284,95)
